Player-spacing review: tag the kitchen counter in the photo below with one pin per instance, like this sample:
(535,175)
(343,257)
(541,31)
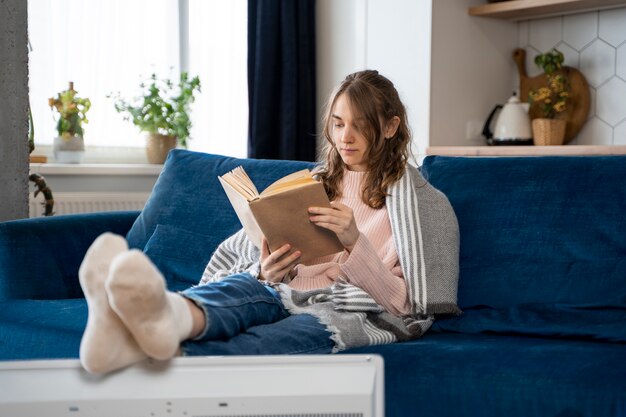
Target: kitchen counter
(526,150)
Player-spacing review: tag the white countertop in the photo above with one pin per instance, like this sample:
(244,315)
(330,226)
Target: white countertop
(504,150)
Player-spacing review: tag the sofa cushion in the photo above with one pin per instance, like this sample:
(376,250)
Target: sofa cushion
(440,374)
(41,329)
(39,258)
(548,230)
(188,197)
(179,254)
(461,375)
(541,320)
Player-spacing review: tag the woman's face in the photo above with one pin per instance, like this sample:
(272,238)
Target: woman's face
(347,134)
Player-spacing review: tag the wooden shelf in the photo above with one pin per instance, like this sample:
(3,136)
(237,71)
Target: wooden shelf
(533,9)
(566,150)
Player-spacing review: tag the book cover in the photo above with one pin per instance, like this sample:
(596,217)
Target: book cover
(280,212)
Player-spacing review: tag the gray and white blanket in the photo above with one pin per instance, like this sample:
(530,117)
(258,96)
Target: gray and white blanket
(426,236)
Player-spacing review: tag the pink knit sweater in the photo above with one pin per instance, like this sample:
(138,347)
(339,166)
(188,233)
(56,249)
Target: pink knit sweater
(373,263)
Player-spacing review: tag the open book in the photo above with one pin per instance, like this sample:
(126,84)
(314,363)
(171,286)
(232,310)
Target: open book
(280,212)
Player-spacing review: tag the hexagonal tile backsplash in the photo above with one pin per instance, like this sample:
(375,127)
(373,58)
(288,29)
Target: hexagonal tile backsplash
(595,43)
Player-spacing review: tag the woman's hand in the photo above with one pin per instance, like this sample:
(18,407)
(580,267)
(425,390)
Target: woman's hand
(339,218)
(276,265)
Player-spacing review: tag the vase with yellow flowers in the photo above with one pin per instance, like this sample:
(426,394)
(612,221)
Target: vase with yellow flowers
(69,145)
(551,100)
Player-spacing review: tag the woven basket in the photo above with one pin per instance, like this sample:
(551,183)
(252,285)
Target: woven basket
(548,132)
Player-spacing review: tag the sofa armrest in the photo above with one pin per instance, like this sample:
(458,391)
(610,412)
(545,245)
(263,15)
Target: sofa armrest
(39,258)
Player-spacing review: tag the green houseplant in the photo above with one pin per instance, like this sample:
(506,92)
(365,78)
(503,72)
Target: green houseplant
(162,111)
(551,99)
(69,145)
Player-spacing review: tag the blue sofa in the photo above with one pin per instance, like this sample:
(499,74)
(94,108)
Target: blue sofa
(542,280)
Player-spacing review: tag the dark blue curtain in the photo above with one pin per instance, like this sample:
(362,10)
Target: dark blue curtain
(281,79)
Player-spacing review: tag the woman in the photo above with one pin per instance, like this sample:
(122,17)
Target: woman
(399,267)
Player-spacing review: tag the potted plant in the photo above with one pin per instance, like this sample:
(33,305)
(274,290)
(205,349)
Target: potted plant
(551,100)
(69,145)
(162,111)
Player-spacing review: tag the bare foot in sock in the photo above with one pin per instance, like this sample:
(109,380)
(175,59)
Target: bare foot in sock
(158,319)
(106,344)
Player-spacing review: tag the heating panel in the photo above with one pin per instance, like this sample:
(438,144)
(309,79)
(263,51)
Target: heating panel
(78,202)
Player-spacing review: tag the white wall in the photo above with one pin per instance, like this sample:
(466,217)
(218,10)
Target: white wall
(446,65)
(340,29)
(391,37)
(398,45)
(451,69)
(472,70)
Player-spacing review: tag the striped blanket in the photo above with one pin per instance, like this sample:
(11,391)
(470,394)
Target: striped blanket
(426,236)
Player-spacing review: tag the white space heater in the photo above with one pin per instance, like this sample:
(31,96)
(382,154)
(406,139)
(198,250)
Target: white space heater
(234,386)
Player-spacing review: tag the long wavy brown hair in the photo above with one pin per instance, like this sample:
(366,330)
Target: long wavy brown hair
(375,99)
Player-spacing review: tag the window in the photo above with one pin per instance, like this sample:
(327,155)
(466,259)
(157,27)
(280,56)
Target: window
(110,46)
(218,54)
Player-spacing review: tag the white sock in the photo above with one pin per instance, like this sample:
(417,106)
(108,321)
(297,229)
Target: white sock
(158,319)
(106,344)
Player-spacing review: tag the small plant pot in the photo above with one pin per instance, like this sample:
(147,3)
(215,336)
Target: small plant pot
(548,132)
(68,150)
(158,146)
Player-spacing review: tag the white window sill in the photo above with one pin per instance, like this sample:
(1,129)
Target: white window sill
(96,169)
(101,154)
(99,161)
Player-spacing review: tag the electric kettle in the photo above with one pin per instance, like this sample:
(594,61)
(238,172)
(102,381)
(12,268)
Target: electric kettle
(512,124)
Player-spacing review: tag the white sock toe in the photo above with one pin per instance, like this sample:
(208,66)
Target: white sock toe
(106,344)
(158,319)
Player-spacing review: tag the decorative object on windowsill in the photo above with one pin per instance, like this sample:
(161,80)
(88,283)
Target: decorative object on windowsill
(69,146)
(162,111)
(158,146)
(578,97)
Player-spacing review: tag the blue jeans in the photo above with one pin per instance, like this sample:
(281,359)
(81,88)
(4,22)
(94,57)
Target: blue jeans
(244,317)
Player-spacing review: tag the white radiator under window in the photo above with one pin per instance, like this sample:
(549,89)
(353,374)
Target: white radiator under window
(71,203)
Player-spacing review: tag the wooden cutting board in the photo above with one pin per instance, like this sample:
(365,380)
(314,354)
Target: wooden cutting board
(578,105)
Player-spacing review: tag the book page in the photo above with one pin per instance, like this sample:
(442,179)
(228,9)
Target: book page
(291,181)
(241,182)
(242,209)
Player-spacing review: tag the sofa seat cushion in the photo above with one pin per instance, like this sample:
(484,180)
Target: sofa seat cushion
(471,375)
(440,374)
(41,329)
(541,320)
